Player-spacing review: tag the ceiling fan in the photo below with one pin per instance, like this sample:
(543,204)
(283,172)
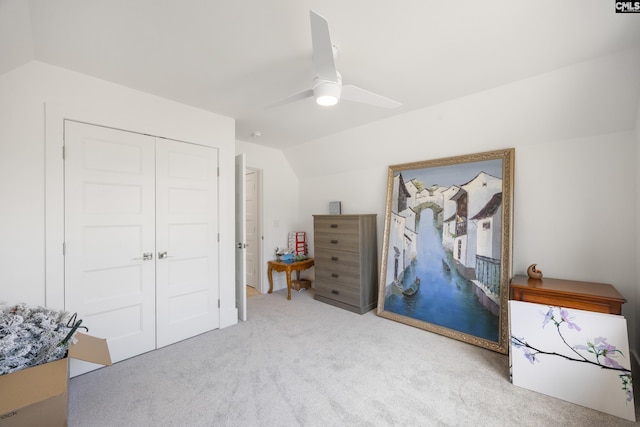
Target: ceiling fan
(327,88)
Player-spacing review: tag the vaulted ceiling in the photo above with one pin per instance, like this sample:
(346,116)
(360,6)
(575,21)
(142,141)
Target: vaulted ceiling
(238,57)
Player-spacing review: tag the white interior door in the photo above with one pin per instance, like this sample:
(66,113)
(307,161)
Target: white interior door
(186,240)
(241,279)
(252,229)
(110,237)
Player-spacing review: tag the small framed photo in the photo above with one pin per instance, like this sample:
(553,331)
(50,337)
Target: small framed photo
(335,208)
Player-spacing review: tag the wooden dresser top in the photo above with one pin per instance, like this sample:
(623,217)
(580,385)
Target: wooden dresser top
(568,287)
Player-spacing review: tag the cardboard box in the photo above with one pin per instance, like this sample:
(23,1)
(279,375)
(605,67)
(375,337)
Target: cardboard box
(39,396)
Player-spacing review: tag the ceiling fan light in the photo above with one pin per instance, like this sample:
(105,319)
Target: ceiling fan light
(326,100)
(327,93)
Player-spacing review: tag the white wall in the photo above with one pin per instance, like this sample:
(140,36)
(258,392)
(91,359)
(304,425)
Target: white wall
(280,211)
(23,94)
(575,187)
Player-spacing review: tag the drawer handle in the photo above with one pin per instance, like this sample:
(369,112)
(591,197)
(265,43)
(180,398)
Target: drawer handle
(333,291)
(334,258)
(334,225)
(335,275)
(334,242)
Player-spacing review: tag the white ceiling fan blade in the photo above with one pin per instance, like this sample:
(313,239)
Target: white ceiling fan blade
(322,48)
(363,96)
(293,98)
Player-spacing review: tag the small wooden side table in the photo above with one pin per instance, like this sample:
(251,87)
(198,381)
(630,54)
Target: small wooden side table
(288,267)
(589,296)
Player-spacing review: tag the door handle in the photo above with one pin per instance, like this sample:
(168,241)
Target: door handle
(147,256)
(241,245)
(163,255)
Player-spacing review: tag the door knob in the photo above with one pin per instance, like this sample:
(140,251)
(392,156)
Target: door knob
(145,257)
(162,255)
(240,245)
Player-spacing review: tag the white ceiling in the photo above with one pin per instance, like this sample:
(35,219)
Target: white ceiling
(236,57)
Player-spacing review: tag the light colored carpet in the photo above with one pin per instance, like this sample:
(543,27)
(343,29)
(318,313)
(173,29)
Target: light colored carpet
(306,363)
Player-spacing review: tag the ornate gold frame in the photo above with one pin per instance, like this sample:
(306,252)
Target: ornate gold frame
(450,166)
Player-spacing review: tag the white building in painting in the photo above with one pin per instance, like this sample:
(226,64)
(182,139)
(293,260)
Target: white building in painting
(488,248)
(471,198)
(449,217)
(402,248)
(413,189)
(400,195)
(402,234)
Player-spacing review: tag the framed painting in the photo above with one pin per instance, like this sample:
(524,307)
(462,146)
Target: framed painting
(446,255)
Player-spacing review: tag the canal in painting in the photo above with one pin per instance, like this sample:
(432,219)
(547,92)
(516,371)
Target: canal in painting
(445,297)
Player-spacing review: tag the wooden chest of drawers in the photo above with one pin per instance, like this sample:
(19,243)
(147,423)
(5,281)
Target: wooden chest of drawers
(599,297)
(346,261)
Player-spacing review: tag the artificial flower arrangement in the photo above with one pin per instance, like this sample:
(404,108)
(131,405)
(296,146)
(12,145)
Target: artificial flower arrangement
(34,336)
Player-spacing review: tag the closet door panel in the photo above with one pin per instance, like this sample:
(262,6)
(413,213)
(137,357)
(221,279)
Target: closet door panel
(109,225)
(186,240)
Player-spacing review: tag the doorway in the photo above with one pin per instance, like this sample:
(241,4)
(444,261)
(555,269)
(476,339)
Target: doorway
(253,227)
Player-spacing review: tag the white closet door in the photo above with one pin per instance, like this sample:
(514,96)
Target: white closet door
(186,240)
(109,227)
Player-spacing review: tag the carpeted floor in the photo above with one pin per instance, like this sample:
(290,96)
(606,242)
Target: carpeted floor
(305,363)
